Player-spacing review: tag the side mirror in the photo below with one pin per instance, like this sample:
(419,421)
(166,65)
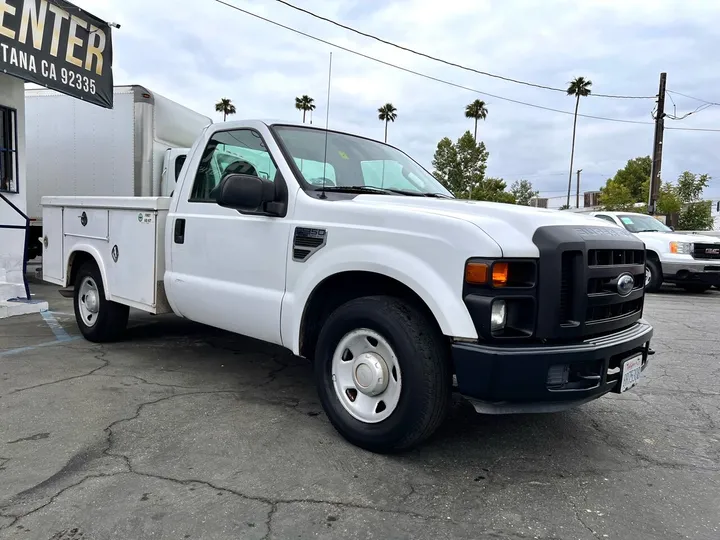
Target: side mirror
(672,228)
(244,192)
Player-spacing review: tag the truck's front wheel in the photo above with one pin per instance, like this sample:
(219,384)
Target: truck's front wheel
(383,374)
(99,319)
(653,275)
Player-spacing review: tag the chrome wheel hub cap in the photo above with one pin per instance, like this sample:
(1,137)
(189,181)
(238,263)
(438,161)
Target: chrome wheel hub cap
(366,376)
(89,301)
(370,374)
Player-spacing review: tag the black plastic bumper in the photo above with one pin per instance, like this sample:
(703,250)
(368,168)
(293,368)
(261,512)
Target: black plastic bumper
(510,379)
(705,278)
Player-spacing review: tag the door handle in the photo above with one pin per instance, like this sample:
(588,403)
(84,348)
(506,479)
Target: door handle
(180,231)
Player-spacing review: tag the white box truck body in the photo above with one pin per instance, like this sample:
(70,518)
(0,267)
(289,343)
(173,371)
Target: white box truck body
(78,149)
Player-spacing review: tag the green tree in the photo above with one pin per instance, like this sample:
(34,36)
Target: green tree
(668,200)
(636,177)
(578,87)
(305,104)
(226,107)
(493,190)
(387,113)
(523,192)
(461,166)
(696,214)
(630,185)
(616,196)
(477,111)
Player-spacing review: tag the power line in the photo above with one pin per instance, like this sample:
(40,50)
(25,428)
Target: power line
(448,83)
(711,130)
(692,97)
(536,174)
(447,62)
(674,116)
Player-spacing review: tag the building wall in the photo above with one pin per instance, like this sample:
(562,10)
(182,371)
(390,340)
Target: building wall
(12,241)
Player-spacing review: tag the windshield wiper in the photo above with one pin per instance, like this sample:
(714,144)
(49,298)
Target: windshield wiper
(356,189)
(386,191)
(419,193)
(649,230)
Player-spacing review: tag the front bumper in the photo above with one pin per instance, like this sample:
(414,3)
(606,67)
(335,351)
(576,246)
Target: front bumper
(692,271)
(518,379)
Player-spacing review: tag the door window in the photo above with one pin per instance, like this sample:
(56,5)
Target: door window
(606,218)
(240,151)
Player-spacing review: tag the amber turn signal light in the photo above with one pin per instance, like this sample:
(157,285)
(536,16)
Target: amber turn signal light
(476,273)
(500,274)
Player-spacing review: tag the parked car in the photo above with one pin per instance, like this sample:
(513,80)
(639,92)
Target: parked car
(691,261)
(347,252)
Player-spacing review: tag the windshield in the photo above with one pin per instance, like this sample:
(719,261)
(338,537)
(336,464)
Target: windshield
(355,162)
(636,223)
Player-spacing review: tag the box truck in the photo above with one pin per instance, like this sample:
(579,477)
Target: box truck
(137,148)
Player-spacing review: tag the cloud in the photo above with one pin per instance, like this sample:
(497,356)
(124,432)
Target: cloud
(197,51)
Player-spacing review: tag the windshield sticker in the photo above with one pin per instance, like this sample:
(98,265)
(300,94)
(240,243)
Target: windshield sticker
(343,155)
(626,220)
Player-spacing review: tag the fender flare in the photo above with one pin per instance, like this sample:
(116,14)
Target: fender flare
(95,254)
(444,303)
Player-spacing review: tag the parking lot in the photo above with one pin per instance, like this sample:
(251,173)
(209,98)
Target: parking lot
(185,432)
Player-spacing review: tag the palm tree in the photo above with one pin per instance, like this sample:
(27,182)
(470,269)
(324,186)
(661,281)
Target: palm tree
(304,104)
(387,113)
(225,107)
(580,86)
(478,111)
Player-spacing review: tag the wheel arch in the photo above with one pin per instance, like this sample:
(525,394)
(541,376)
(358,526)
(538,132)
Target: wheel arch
(77,257)
(341,287)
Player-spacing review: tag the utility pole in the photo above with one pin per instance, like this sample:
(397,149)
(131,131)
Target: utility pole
(577,194)
(655,171)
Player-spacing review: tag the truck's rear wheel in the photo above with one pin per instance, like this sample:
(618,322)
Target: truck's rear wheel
(383,374)
(99,320)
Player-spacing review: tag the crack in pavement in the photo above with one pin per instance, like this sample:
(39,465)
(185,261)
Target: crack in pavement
(100,357)
(268,521)
(53,498)
(640,457)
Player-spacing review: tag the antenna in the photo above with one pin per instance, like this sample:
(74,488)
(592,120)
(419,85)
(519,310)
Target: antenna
(327,120)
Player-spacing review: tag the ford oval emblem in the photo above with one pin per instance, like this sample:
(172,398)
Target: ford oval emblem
(625,284)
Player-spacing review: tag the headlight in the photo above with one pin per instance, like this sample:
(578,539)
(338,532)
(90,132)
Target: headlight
(681,248)
(498,315)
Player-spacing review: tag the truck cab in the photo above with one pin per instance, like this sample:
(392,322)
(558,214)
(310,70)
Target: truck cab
(347,252)
(691,261)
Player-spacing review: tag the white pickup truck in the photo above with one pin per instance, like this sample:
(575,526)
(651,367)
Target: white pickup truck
(347,252)
(691,261)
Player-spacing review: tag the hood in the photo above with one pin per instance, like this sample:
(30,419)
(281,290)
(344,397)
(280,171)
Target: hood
(679,237)
(511,226)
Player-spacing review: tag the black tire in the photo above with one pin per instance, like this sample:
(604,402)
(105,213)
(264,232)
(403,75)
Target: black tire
(695,287)
(423,356)
(111,318)
(656,277)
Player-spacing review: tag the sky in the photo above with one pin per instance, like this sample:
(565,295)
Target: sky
(198,51)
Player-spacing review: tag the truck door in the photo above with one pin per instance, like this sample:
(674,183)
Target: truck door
(227,269)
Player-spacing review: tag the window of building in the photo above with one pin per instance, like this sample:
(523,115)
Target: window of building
(8,150)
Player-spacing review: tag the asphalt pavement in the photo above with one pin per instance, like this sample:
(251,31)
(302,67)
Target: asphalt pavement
(185,432)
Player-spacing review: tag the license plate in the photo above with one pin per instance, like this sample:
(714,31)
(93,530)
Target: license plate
(632,368)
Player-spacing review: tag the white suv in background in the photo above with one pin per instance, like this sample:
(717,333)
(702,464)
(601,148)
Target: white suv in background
(691,261)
